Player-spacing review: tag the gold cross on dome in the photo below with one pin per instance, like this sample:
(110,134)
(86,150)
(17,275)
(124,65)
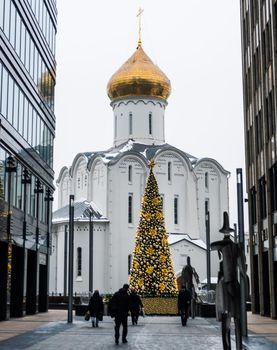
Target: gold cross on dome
(151,164)
(139,16)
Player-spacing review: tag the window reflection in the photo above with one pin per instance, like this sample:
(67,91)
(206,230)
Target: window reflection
(24,45)
(45,22)
(24,118)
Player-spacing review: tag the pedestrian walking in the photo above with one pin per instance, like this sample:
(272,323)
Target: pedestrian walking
(135,306)
(119,307)
(96,308)
(184,298)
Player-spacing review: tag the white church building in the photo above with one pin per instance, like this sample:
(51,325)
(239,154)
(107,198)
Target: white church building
(108,187)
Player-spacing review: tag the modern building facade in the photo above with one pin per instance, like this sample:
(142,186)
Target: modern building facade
(110,184)
(259,43)
(27,129)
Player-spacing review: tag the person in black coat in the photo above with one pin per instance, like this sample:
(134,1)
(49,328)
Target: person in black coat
(119,308)
(135,306)
(184,298)
(96,308)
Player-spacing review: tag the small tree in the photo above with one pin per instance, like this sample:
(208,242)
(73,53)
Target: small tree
(152,269)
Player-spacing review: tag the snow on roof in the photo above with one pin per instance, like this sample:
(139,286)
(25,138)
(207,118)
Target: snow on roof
(147,151)
(127,147)
(82,211)
(176,237)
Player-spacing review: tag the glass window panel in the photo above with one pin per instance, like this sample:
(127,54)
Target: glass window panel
(12,24)
(51,150)
(46,24)
(30,124)
(2,14)
(52,95)
(42,125)
(44,19)
(43,205)
(15,107)
(45,84)
(18,34)
(41,83)
(39,71)
(38,134)
(18,202)
(35,65)
(51,36)
(10,100)
(47,28)
(42,15)
(34,129)
(37,8)
(7,18)
(26,117)
(39,11)
(22,49)
(32,197)
(48,88)
(4,100)
(27,53)
(20,113)
(32,47)
(46,144)
(54,51)
(14,188)
(2,173)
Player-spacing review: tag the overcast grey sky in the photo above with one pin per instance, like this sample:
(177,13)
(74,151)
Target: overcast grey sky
(195,42)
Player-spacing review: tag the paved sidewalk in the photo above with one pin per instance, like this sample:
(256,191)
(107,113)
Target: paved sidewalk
(51,331)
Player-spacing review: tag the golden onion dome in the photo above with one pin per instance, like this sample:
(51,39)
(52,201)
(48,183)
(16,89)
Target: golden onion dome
(138,76)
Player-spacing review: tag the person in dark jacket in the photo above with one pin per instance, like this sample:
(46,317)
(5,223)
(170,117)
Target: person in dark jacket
(120,307)
(135,306)
(184,299)
(96,308)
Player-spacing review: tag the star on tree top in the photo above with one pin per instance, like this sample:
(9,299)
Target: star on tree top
(151,164)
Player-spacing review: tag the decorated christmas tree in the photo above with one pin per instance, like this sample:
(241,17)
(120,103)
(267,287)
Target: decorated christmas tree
(152,269)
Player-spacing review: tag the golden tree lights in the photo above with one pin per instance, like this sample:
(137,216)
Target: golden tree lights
(152,269)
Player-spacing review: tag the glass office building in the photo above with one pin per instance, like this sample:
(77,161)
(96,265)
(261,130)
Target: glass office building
(27,130)
(259,43)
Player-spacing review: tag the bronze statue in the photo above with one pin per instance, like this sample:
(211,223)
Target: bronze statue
(188,273)
(228,288)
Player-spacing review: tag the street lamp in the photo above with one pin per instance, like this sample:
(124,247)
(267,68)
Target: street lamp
(208,244)
(90,250)
(70,258)
(38,190)
(242,243)
(48,199)
(26,180)
(10,168)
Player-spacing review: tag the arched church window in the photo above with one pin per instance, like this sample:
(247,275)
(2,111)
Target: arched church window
(130,123)
(150,123)
(79,261)
(169,170)
(206,180)
(129,263)
(130,173)
(130,208)
(115,126)
(176,210)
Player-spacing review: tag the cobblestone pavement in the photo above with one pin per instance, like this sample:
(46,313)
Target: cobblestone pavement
(151,333)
